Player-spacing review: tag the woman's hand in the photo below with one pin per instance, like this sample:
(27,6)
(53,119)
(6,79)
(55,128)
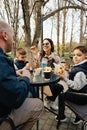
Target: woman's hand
(33,49)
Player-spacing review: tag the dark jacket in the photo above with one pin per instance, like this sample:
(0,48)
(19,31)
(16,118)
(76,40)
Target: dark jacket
(81,67)
(20,64)
(13,90)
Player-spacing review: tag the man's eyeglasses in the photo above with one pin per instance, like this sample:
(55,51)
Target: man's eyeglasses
(45,44)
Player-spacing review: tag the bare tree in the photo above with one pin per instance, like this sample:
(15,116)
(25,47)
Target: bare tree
(33,9)
(28,11)
(63,6)
(71,37)
(38,22)
(12,11)
(64,28)
(26,18)
(81,24)
(58,26)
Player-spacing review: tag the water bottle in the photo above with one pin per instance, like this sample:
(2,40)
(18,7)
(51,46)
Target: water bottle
(43,65)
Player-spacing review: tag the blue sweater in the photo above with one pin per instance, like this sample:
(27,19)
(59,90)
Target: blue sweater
(13,90)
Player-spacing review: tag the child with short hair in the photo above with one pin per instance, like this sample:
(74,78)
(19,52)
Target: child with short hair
(21,58)
(77,82)
(20,63)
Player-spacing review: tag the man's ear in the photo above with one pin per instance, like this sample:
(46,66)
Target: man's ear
(4,35)
(85,57)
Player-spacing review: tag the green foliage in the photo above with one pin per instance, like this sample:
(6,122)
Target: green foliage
(10,55)
(67,55)
(68,48)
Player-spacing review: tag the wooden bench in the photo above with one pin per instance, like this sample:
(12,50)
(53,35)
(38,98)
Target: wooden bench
(79,110)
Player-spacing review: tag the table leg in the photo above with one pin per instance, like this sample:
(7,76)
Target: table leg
(38,92)
(42,93)
(38,97)
(38,125)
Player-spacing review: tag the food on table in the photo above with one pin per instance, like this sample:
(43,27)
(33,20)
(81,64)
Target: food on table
(48,69)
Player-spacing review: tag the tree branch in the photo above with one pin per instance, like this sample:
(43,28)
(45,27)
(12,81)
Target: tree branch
(65,7)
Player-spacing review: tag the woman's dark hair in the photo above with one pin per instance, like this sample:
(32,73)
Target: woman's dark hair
(83,49)
(52,47)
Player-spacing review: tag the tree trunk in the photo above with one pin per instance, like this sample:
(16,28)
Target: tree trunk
(63,33)
(26,17)
(38,22)
(58,27)
(71,39)
(81,25)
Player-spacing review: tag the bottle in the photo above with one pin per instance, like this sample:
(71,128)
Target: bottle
(43,65)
